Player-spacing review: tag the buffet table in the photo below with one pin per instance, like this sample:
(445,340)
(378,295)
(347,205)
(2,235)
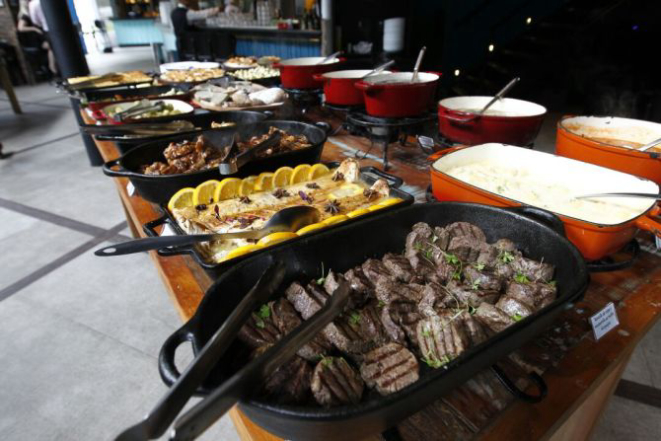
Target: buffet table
(580,372)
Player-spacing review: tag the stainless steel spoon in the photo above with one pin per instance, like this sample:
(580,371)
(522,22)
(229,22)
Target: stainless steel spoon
(499,95)
(650,145)
(418,62)
(380,68)
(620,195)
(330,57)
(286,220)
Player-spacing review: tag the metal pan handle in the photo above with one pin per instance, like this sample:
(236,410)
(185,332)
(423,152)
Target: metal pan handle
(120,173)
(546,217)
(166,365)
(150,230)
(518,393)
(324,126)
(441,153)
(393,181)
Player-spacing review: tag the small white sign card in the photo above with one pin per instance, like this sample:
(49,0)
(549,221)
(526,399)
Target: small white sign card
(604,321)
(130,189)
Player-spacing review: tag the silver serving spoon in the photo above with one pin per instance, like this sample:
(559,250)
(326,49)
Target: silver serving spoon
(418,62)
(286,220)
(380,68)
(499,95)
(330,57)
(620,195)
(649,145)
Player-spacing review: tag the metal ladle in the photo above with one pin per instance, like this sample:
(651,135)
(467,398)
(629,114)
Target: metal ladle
(289,219)
(499,95)
(418,62)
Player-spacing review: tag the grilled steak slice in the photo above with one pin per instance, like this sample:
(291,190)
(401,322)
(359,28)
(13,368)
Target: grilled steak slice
(505,245)
(503,270)
(474,329)
(435,298)
(493,318)
(388,290)
(400,268)
(466,229)
(259,329)
(466,248)
(424,268)
(523,292)
(356,298)
(546,294)
(466,295)
(514,308)
(482,279)
(435,341)
(305,300)
(443,237)
(286,319)
(359,282)
(535,271)
(375,271)
(389,368)
(334,383)
(420,236)
(399,320)
(445,271)
(290,383)
(358,331)
(488,255)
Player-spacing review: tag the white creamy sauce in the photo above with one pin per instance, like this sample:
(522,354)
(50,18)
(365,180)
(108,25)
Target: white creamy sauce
(523,186)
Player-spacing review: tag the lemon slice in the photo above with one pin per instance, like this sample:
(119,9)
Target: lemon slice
(227,189)
(282,176)
(390,201)
(247,186)
(310,228)
(317,171)
(238,252)
(335,219)
(358,212)
(264,182)
(274,238)
(300,174)
(204,193)
(182,199)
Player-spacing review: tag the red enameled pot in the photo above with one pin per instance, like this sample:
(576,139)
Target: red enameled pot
(393,95)
(340,89)
(297,73)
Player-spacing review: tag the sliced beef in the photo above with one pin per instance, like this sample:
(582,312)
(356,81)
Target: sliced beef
(290,383)
(359,282)
(356,298)
(335,382)
(399,320)
(259,329)
(388,290)
(442,338)
(546,294)
(493,318)
(400,268)
(505,245)
(482,279)
(514,308)
(418,239)
(536,295)
(442,237)
(466,248)
(469,296)
(389,368)
(465,229)
(305,300)
(503,270)
(488,256)
(535,271)
(286,319)
(474,329)
(435,298)
(445,271)
(424,268)
(375,271)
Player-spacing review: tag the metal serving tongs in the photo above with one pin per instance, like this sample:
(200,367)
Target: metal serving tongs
(166,410)
(620,195)
(143,106)
(232,162)
(142,129)
(249,379)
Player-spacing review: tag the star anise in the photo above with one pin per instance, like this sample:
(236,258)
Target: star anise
(370,194)
(333,207)
(306,197)
(245,222)
(338,176)
(312,186)
(201,207)
(245,200)
(281,193)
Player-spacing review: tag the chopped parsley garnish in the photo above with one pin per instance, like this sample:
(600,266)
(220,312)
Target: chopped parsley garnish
(354,319)
(471,310)
(456,275)
(517,317)
(476,284)
(451,259)
(381,304)
(434,362)
(426,333)
(327,361)
(521,278)
(552,283)
(264,312)
(322,279)
(506,257)
(479,266)
(259,322)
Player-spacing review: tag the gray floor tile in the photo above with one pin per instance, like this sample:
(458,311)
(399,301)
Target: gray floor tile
(37,92)
(121,59)
(36,125)
(651,347)
(122,298)
(66,184)
(626,420)
(28,244)
(638,369)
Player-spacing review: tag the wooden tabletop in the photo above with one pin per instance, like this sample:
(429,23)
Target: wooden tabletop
(580,372)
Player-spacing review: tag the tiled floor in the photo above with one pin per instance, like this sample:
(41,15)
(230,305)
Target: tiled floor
(79,335)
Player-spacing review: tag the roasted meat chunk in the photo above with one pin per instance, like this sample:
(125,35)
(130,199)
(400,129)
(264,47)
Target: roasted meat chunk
(535,295)
(493,318)
(482,279)
(466,229)
(259,329)
(399,320)
(441,338)
(535,271)
(335,382)
(286,319)
(307,301)
(290,383)
(375,271)
(400,268)
(514,308)
(435,298)
(359,282)
(389,368)
(388,290)
(471,296)
(357,297)
(473,328)
(424,268)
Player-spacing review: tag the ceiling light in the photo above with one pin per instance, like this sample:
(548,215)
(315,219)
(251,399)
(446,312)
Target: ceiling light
(528,20)
(491,47)
(457,72)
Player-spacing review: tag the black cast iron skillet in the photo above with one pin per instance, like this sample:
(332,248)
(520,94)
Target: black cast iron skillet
(203,120)
(159,189)
(367,174)
(535,232)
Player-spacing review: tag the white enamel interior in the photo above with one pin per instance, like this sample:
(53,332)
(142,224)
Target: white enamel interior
(549,169)
(624,129)
(308,61)
(353,74)
(510,106)
(401,77)
(179,105)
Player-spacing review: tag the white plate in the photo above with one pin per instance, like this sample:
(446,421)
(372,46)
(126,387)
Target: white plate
(181,106)
(188,65)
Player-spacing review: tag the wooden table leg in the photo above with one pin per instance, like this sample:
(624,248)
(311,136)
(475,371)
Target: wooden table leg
(9,87)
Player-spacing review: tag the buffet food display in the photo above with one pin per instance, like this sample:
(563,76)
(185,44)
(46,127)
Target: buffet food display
(196,75)
(256,73)
(237,95)
(241,63)
(168,109)
(109,80)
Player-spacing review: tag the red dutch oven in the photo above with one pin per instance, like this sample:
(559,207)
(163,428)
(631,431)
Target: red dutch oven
(340,86)
(297,73)
(508,121)
(394,95)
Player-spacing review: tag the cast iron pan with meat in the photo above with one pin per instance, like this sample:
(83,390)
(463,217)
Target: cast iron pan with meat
(415,327)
